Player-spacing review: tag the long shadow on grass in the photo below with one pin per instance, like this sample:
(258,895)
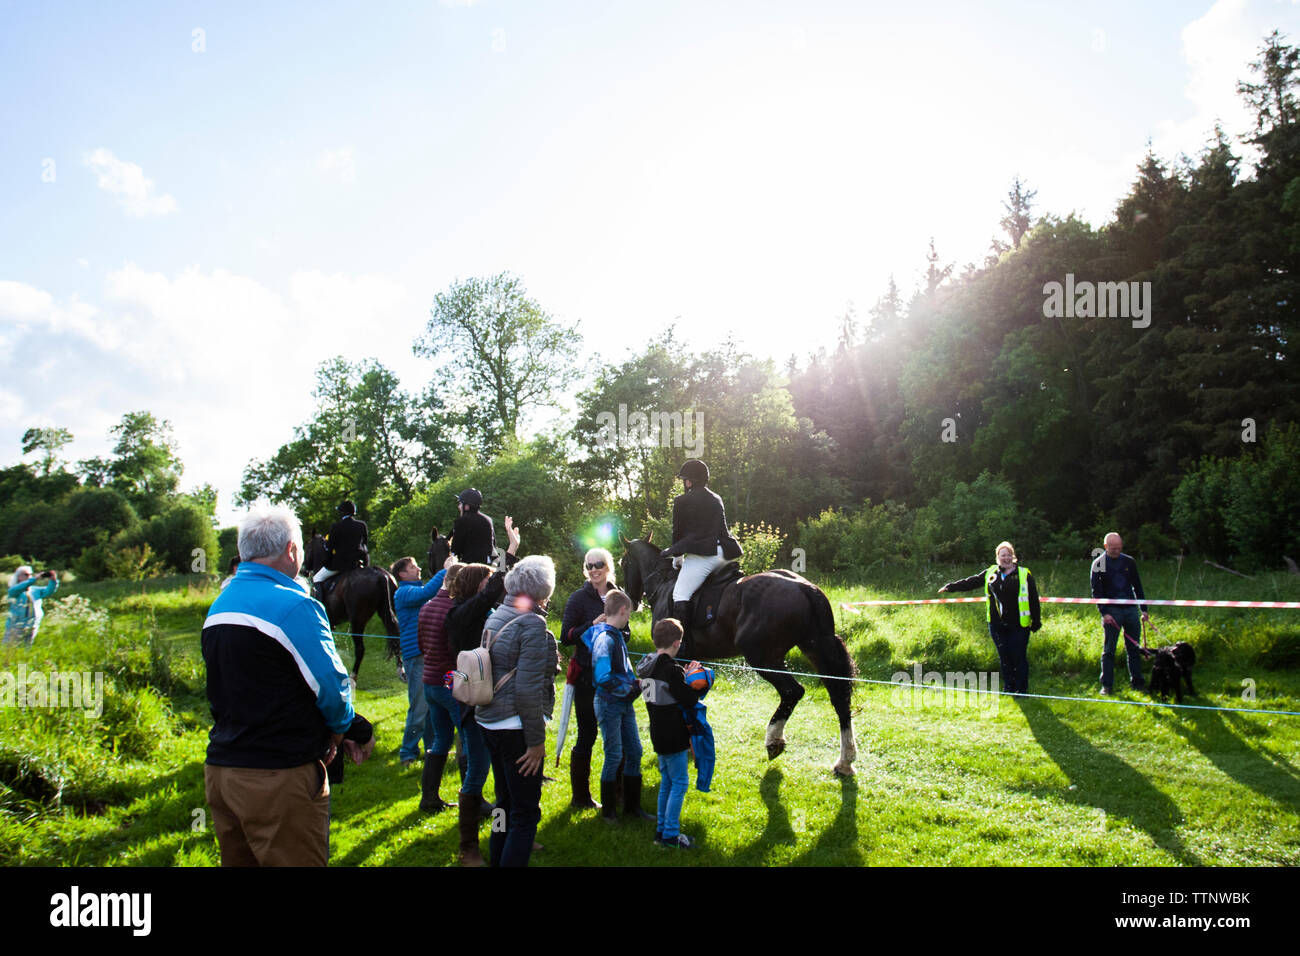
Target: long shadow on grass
(838,843)
(361,852)
(1106,781)
(1213,736)
(839,837)
(169,820)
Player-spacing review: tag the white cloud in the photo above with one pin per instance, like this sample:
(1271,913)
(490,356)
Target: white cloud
(1218,48)
(127,181)
(11,407)
(25,307)
(230,362)
(83,262)
(339,163)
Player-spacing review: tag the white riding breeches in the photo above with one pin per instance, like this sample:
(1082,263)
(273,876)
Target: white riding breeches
(324,574)
(695,568)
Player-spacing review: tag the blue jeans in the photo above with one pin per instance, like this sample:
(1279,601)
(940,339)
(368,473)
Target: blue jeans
(673,781)
(1013,656)
(1128,617)
(444,714)
(476,753)
(617,722)
(418,723)
(518,796)
(448,715)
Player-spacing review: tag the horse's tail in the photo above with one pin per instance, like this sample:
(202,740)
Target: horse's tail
(387,610)
(826,644)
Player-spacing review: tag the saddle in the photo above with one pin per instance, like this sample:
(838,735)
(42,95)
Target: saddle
(326,587)
(705,601)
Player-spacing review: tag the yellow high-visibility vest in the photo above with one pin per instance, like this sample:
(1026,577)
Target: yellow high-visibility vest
(1023,603)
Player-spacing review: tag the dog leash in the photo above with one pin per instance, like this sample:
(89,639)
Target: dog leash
(1142,648)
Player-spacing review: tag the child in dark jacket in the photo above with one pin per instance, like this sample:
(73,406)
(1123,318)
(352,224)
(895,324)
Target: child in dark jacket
(667,699)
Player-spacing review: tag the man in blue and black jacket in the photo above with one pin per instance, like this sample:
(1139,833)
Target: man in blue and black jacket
(1115,576)
(281,704)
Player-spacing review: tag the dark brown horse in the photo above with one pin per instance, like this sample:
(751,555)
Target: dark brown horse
(439,551)
(760,617)
(357,596)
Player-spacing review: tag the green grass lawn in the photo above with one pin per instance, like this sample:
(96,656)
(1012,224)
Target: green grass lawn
(939,782)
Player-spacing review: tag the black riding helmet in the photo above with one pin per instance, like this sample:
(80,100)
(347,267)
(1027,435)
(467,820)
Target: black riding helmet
(347,508)
(471,498)
(696,470)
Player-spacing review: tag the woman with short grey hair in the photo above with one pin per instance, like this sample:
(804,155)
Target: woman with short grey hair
(524,657)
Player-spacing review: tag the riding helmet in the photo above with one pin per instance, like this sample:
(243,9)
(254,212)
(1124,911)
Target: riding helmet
(696,470)
(471,498)
(347,508)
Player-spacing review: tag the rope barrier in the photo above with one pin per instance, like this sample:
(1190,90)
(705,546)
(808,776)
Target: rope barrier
(1287,605)
(1179,602)
(974,690)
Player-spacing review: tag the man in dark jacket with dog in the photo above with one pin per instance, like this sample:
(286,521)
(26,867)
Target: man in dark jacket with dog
(1115,576)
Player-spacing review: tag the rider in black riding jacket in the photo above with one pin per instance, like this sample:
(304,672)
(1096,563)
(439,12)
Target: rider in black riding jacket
(347,541)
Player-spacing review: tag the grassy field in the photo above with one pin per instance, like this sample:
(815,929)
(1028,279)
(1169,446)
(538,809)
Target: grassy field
(941,781)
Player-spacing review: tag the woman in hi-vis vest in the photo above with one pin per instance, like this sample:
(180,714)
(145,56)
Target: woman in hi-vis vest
(1012,613)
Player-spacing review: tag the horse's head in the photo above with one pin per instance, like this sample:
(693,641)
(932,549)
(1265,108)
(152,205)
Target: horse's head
(635,567)
(439,550)
(316,556)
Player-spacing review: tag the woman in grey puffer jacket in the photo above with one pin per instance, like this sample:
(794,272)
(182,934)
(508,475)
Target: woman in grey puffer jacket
(515,722)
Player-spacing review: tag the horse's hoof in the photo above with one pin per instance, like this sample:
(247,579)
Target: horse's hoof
(775,749)
(844,770)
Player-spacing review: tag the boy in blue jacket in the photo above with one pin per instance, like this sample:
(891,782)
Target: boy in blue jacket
(616,690)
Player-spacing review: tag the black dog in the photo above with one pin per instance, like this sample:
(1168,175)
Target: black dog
(1172,666)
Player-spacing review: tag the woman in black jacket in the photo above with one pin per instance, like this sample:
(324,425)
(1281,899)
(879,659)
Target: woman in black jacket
(585,607)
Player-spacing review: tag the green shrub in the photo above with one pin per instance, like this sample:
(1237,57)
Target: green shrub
(762,546)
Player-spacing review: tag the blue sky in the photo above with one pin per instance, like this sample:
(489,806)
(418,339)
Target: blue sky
(194,220)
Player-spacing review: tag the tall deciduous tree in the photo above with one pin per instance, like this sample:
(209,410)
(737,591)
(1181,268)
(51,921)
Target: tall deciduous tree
(47,441)
(501,353)
(369,440)
(146,467)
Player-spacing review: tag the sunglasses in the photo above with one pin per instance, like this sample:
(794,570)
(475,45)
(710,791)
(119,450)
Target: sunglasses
(595,567)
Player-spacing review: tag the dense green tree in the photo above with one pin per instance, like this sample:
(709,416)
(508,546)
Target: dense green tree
(145,467)
(49,442)
(369,441)
(500,355)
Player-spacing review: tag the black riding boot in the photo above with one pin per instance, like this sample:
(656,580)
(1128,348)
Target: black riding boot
(580,781)
(632,800)
(430,802)
(682,611)
(609,800)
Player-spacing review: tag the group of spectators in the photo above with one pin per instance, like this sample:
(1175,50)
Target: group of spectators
(282,702)
(283,707)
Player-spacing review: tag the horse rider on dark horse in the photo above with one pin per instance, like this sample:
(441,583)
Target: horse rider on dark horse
(701,540)
(473,539)
(347,541)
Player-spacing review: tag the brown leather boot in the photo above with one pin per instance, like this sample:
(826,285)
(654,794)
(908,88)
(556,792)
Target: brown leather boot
(468,823)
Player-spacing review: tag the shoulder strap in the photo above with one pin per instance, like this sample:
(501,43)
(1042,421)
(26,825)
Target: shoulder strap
(489,638)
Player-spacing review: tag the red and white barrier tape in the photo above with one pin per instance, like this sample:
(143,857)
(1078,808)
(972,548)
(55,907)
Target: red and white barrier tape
(1290,605)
